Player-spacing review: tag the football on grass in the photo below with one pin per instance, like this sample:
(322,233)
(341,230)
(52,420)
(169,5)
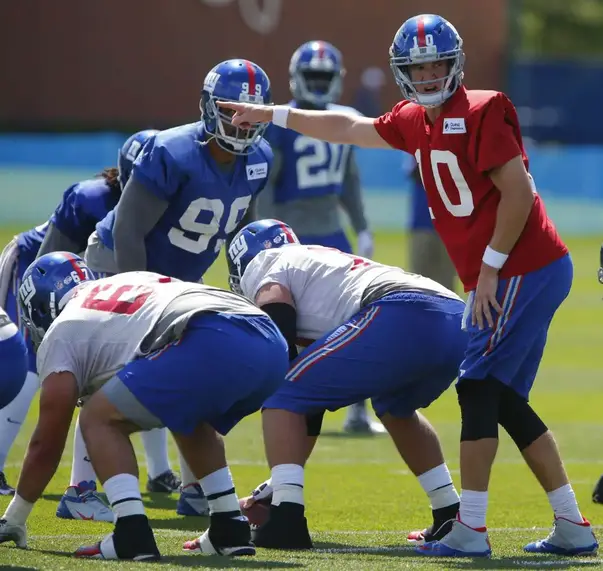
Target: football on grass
(257,513)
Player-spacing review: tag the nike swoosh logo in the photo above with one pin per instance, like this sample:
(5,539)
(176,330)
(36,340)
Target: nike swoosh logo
(9,419)
(86,459)
(84,517)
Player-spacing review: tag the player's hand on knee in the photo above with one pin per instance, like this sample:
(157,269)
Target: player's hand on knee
(12,532)
(485,298)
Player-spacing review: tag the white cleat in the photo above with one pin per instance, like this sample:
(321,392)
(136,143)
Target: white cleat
(12,532)
(84,503)
(192,501)
(567,538)
(362,424)
(462,541)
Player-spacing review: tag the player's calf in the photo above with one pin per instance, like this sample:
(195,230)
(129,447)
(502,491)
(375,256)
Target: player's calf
(229,532)
(419,446)
(540,451)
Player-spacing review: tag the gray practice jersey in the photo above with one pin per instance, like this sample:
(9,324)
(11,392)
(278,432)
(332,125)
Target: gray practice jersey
(108,322)
(310,181)
(328,286)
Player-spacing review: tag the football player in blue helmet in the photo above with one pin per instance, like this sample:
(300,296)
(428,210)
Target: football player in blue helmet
(250,241)
(312,180)
(477,134)
(45,288)
(442,44)
(233,80)
(316,74)
(347,308)
(68,229)
(188,192)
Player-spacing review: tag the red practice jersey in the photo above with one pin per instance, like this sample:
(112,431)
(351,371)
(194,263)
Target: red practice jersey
(476,132)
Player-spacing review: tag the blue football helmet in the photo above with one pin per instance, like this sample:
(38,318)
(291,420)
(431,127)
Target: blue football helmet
(129,151)
(234,80)
(250,241)
(44,286)
(424,39)
(316,73)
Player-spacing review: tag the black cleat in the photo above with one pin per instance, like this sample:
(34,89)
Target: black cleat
(598,492)
(165,483)
(225,536)
(132,539)
(287,528)
(443,519)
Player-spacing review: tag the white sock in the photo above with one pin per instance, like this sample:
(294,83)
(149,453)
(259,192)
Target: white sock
(473,508)
(13,416)
(123,493)
(81,467)
(563,502)
(437,484)
(156,449)
(288,484)
(186,474)
(219,490)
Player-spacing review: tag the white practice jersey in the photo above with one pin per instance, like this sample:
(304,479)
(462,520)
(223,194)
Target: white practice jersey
(328,286)
(111,321)
(7,328)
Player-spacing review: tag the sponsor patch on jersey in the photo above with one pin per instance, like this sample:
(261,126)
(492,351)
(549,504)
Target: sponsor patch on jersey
(257,171)
(452,126)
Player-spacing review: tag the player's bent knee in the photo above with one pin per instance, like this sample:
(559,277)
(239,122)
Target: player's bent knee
(479,402)
(519,419)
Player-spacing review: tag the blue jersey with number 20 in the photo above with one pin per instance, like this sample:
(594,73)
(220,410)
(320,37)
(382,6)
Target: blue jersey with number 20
(311,168)
(205,202)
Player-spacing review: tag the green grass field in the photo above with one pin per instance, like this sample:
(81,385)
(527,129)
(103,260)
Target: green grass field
(361,499)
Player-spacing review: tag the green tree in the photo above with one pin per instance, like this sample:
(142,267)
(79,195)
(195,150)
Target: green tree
(559,29)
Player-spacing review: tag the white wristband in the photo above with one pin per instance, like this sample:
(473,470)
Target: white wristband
(17,511)
(279,115)
(493,258)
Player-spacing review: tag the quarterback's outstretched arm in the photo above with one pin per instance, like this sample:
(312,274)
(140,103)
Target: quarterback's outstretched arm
(332,126)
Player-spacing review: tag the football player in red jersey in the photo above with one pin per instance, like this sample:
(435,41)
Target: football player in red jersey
(506,251)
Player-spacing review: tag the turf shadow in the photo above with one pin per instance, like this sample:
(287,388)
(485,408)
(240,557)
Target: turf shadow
(197,523)
(343,548)
(525,561)
(188,560)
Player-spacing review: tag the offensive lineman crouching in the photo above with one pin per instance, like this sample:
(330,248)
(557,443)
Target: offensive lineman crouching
(375,332)
(145,351)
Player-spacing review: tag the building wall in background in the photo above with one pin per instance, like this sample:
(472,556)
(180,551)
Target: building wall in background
(129,64)
(35,170)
